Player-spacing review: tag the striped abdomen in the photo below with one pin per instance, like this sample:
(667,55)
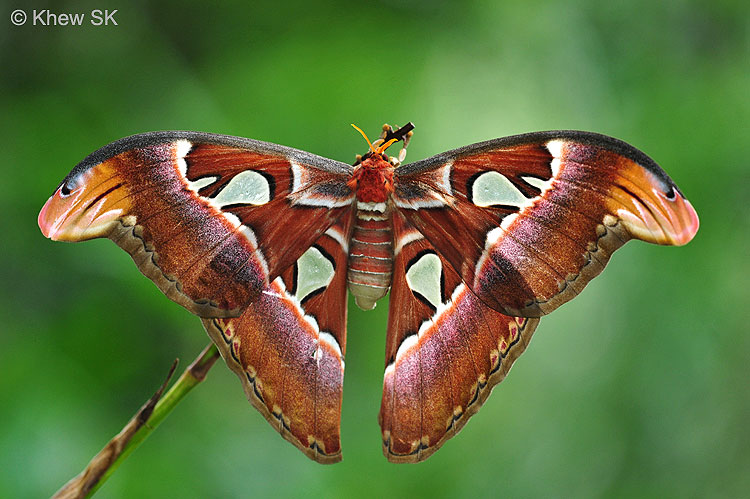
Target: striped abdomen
(371,254)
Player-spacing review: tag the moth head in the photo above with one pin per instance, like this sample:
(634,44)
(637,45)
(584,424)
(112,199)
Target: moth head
(377,148)
(387,138)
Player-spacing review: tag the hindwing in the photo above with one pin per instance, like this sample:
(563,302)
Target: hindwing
(445,350)
(288,346)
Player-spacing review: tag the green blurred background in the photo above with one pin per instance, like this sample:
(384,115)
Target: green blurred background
(637,388)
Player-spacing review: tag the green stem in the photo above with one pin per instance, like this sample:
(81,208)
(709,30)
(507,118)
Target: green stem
(139,427)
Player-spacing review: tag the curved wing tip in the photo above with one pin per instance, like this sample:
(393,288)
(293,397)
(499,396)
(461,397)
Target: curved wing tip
(46,225)
(52,217)
(682,223)
(690,228)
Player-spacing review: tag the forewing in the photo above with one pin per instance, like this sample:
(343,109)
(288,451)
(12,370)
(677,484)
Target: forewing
(288,347)
(211,219)
(527,221)
(445,350)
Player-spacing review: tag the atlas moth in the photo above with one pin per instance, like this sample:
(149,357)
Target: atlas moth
(262,241)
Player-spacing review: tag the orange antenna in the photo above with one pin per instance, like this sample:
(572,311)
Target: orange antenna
(385,146)
(372,149)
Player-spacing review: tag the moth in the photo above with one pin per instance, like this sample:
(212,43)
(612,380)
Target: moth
(262,241)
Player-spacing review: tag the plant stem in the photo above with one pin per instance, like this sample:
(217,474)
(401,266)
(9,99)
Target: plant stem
(139,427)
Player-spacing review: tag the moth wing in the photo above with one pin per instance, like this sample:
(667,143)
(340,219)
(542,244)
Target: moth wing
(288,347)
(445,350)
(527,221)
(211,219)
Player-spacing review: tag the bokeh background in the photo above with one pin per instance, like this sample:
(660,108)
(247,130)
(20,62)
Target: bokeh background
(637,388)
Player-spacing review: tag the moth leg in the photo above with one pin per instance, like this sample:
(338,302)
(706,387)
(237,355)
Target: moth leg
(386,131)
(402,134)
(402,152)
